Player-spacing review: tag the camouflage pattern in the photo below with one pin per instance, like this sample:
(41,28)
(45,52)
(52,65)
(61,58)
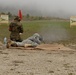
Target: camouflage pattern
(15,28)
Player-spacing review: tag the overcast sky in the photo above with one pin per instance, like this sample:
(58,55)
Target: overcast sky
(57,8)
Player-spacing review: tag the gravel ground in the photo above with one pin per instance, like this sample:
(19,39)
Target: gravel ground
(37,62)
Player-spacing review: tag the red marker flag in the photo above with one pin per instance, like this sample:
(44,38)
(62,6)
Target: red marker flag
(20,14)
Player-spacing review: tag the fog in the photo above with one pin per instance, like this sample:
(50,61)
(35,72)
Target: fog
(54,8)
(54,34)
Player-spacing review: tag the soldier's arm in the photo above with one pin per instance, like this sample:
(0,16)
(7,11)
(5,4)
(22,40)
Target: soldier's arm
(10,27)
(21,28)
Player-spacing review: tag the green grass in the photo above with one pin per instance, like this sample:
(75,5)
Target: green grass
(30,27)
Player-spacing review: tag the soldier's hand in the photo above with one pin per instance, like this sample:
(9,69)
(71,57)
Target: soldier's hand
(20,33)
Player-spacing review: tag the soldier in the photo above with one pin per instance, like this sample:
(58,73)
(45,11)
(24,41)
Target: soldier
(16,29)
(32,41)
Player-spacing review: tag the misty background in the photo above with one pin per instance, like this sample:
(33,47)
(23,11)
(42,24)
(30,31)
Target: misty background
(46,8)
(54,34)
(53,8)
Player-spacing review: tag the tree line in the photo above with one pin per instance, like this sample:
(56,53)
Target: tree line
(28,17)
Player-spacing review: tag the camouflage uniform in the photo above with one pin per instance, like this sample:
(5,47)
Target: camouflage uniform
(15,28)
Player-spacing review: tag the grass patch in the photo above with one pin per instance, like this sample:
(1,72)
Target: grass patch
(42,26)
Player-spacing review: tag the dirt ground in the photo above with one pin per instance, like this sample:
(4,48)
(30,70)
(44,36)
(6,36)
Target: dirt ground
(46,59)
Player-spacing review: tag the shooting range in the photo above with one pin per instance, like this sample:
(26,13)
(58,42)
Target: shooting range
(37,37)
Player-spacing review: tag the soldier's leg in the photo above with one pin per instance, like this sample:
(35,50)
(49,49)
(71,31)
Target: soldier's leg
(29,43)
(11,43)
